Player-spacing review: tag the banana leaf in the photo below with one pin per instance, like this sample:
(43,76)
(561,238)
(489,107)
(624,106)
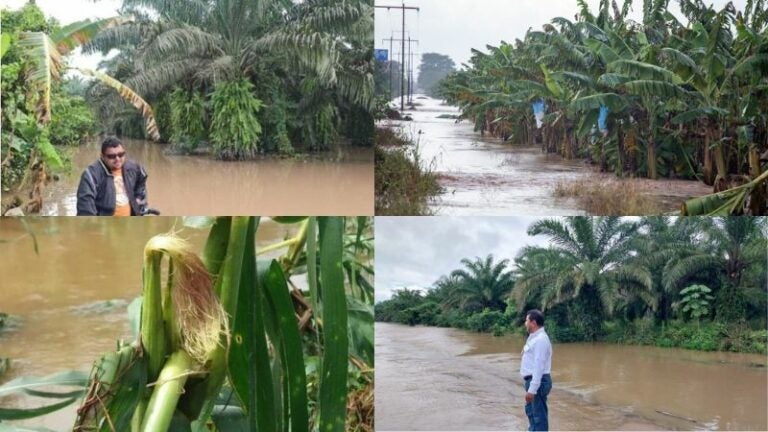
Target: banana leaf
(130,96)
(725,203)
(47,66)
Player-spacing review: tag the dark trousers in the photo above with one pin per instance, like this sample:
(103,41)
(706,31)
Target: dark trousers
(537,410)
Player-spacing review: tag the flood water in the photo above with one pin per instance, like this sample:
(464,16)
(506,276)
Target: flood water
(200,185)
(430,378)
(484,176)
(81,261)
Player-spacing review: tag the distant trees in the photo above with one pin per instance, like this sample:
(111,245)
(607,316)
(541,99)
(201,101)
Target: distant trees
(434,67)
(388,85)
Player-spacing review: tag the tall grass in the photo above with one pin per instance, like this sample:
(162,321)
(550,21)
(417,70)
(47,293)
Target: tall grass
(404,184)
(608,198)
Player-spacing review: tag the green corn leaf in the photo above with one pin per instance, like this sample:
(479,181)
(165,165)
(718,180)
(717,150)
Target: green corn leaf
(249,364)
(216,247)
(361,329)
(280,302)
(333,378)
(69,378)
(200,401)
(26,413)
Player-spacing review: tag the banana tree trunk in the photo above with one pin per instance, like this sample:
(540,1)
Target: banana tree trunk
(709,178)
(722,169)
(620,151)
(652,170)
(757,199)
(651,144)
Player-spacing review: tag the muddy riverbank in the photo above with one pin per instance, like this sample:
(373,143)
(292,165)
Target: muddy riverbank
(481,175)
(431,378)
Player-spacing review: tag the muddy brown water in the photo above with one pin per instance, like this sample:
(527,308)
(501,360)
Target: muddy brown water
(483,176)
(81,261)
(430,378)
(337,184)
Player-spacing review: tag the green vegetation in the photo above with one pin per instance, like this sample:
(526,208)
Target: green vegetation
(226,341)
(403,183)
(274,77)
(188,122)
(386,87)
(696,283)
(677,100)
(27,133)
(235,129)
(237,78)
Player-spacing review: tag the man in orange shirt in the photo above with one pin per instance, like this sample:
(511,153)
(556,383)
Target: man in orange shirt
(113,185)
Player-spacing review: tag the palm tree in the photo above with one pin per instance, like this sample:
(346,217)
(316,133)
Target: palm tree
(316,51)
(661,243)
(481,284)
(586,266)
(732,246)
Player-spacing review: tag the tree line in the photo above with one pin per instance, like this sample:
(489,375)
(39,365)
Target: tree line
(694,282)
(656,98)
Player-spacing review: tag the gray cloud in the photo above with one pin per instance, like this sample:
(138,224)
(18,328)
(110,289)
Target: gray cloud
(414,252)
(452,27)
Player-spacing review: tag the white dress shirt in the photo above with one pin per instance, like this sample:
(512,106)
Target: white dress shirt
(537,358)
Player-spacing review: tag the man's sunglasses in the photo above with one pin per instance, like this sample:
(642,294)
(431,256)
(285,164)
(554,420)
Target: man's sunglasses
(113,156)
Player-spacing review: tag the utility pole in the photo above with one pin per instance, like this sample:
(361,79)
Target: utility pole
(402,49)
(409,72)
(407,65)
(391,90)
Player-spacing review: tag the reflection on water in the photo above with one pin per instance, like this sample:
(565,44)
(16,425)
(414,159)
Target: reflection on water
(80,261)
(200,185)
(482,175)
(445,379)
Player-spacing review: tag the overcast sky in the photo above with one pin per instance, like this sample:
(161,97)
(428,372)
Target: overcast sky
(414,252)
(452,27)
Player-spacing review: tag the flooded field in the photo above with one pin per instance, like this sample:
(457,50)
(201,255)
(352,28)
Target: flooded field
(431,378)
(483,176)
(340,184)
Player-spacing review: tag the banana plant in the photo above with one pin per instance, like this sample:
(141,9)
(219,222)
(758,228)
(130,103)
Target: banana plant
(47,57)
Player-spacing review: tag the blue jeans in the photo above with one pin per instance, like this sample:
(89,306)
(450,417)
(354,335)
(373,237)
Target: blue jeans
(537,410)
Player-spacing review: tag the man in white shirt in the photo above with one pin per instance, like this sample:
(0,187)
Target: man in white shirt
(535,368)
